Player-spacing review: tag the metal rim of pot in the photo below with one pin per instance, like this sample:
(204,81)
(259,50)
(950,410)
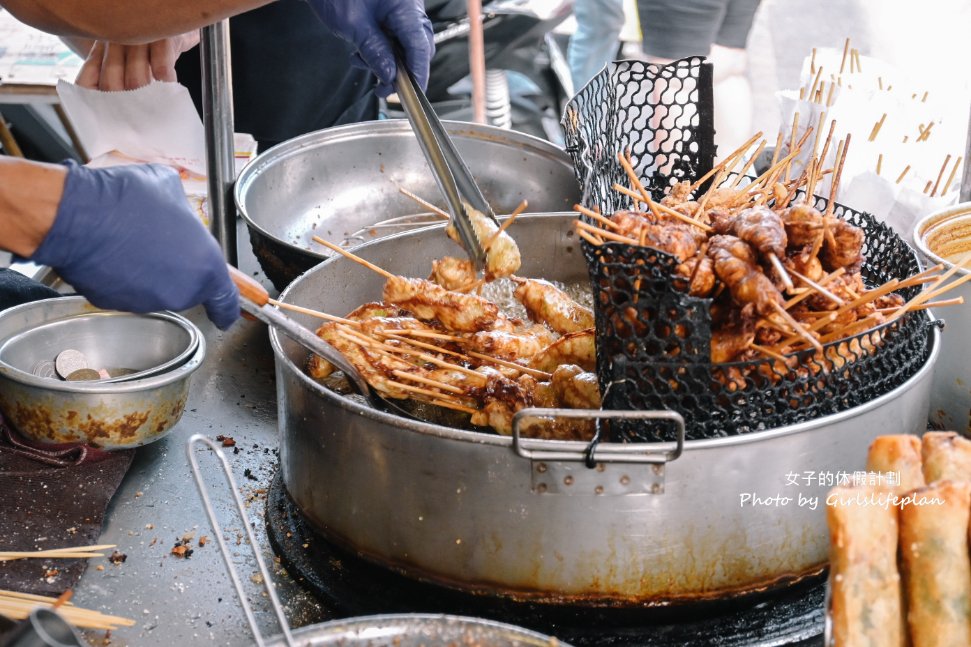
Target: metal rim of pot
(496,439)
(296,146)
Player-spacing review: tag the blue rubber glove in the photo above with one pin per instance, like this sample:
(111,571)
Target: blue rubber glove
(126,238)
(371,26)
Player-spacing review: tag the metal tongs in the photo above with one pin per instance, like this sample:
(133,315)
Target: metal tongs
(450,171)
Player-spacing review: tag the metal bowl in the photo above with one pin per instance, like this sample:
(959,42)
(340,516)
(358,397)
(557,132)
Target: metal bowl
(419,630)
(337,183)
(163,349)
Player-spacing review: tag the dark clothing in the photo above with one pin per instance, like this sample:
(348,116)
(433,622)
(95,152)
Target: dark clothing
(291,75)
(675,29)
(15,289)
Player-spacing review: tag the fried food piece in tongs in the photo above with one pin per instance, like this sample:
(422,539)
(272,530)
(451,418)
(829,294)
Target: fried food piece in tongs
(546,303)
(502,253)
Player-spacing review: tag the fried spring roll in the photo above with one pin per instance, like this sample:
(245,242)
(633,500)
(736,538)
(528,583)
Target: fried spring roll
(936,565)
(947,456)
(899,454)
(866,585)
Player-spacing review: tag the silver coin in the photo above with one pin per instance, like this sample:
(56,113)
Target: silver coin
(68,361)
(83,375)
(44,368)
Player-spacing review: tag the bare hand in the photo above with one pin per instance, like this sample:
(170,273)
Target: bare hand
(110,66)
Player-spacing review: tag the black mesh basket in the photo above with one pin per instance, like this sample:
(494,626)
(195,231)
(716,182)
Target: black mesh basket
(661,115)
(654,340)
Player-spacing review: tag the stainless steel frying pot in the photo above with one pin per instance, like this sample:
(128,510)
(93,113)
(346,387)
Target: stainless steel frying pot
(336,183)
(466,509)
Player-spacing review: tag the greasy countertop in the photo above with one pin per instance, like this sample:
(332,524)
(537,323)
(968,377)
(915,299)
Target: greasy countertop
(191,601)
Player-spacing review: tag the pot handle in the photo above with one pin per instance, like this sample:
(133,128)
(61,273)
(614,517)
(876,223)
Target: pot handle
(575,451)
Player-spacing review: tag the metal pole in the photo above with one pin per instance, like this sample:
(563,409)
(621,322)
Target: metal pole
(477,60)
(217,118)
(966,176)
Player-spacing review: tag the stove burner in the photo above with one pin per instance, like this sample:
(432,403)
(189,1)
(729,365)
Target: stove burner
(352,586)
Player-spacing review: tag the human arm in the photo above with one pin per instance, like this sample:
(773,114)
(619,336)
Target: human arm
(141,21)
(125,237)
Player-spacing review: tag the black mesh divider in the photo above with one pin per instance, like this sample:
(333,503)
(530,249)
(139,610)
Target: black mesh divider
(653,348)
(653,339)
(662,115)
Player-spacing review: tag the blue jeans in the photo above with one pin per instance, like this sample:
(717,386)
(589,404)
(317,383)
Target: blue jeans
(596,39)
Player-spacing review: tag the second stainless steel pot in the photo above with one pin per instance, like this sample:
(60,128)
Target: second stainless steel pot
(336,183)
(471,511)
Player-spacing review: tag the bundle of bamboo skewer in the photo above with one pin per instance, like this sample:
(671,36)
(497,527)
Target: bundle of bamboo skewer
(17,606)
(810,328)
(74,552)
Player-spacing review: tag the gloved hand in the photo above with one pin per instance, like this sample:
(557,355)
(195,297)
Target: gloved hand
(126,238)
(372,26)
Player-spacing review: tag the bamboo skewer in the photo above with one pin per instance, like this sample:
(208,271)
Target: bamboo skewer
(632,176)
(950,178)
(674,213)
(823,281)
(818,288)
(922,277)
(876,127)
(365,340)
(766,351)
(441,213)
(926,132)
(17,606)
(313,313)
(521,207)
(419,344)
(730,160)
(534,372)
(543,375)
(442,386)
(940,175)
(956,301)
(838,173)
(451,405)
(796,326)
(585,235)
(846,51)
(357,259)
(781,270)
(900,178)
(590,213)
(609,235)
(57,553)
(748,164)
